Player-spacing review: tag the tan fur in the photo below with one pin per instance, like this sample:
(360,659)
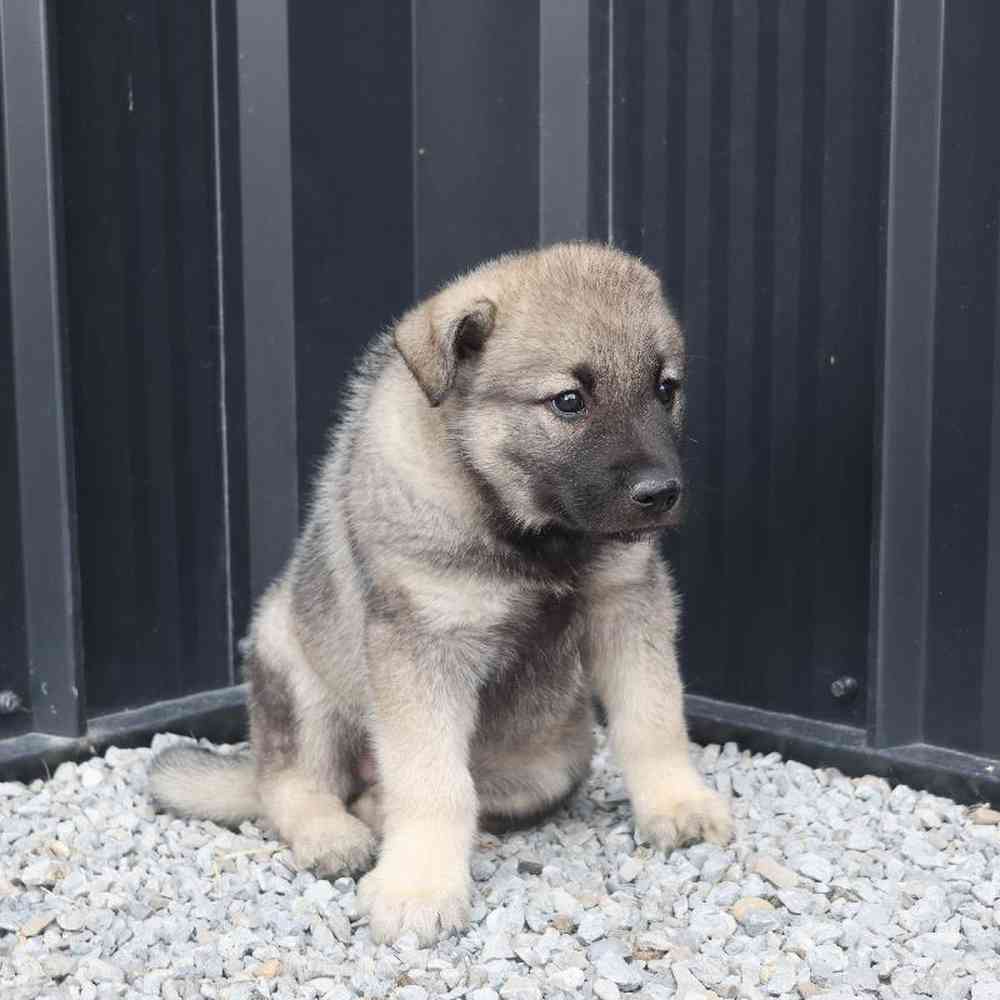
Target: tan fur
(191,781)
(474,567)
(632,661)
(444,600)
(323,834)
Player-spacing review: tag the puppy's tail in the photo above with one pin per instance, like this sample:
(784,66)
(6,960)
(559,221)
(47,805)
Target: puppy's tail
(191,781)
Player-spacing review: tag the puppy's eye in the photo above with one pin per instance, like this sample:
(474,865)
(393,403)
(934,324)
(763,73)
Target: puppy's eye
(666,391)
(568,404)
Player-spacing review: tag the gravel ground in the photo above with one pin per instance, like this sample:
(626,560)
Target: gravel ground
(833,888)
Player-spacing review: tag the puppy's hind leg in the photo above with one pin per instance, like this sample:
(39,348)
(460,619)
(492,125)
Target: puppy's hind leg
(304,752)
(323,835)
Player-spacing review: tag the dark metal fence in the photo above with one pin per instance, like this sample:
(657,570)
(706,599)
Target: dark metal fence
(211,207)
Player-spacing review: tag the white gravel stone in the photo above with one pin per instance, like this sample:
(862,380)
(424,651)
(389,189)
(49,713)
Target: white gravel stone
(592,927)
(711,923)
(657,991)
(623,974)
(90,777)
(985,892)
(775,872)
(797,901)
(860,890)
(42,872)
(654,941)
(563,902)
(411,993)
(826,961)
(320,892)
(604,989)
(629,870)
(862,840)
(568,980)
(497,946)
(333,991)
(816,867)
(521,988)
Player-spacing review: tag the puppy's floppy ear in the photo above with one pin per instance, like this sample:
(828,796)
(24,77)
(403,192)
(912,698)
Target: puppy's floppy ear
(436,336)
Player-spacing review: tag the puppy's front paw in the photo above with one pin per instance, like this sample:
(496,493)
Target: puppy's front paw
(403,899)
(334,844)
(686,817)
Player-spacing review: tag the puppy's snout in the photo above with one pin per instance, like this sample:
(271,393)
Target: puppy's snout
(656,494)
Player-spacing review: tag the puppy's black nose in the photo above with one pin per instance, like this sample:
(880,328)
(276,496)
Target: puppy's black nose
(658,495)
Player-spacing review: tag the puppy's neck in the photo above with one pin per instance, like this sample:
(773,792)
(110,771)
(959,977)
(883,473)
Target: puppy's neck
(410,438)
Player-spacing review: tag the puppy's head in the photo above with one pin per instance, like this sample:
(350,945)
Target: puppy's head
(559,375)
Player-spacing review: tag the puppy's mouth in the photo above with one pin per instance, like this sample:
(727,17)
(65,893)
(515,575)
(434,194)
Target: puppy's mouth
(611,525)
(617,532)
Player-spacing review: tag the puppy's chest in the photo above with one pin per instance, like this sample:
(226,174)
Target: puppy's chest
(483,603)
(521,638)
(515,616)
(534,660)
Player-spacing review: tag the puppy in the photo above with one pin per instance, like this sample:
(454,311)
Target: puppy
(480,560)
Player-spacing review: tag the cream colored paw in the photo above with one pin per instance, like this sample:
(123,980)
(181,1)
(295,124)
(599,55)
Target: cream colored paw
(333,844)
(401,899)
(684,818)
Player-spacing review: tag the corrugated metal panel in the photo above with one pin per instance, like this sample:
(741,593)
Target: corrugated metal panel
(13,654)
(963,690)
(756,191)
(476,133)
(816,181)
(136,144)
(352,183)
